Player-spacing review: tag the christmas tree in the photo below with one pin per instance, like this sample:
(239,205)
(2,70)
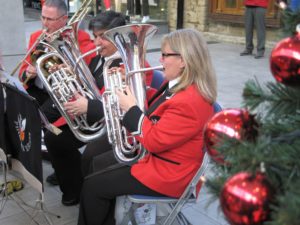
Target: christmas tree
(256,149)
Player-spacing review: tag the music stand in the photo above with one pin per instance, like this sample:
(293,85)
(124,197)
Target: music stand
(16,161)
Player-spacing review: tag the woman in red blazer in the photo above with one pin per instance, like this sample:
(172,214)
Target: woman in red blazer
(171,130)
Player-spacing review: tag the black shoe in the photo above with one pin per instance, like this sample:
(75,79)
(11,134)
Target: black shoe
(66,201)
(258,56)
(246,52)
(52,179)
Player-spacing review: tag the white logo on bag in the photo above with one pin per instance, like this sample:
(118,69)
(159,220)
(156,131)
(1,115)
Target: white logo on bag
(20,126)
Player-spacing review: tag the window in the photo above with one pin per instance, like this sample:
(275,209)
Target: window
(233,10)
(234,7)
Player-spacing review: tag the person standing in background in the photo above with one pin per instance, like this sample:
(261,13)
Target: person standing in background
(107,4)
(255,13)
(145,11)
(134,8)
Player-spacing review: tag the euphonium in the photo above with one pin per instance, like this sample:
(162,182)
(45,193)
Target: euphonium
(131,43)
(74,77)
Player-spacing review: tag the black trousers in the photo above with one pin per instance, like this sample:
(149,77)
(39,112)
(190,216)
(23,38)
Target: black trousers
(92,150)
(100,189)
(69,164)
(66,160)
(134,7)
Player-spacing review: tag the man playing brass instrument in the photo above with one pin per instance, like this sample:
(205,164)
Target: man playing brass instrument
(54,17)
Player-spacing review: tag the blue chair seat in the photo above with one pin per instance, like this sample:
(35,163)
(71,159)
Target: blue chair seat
(157,79)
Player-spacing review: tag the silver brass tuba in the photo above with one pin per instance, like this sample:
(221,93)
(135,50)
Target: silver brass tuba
(130,41)
(75,77)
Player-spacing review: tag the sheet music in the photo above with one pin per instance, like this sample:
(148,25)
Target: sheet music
(13,81)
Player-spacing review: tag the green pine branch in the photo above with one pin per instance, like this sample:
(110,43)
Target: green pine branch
(290,19)
(284,125)
(286,212)
(276,100)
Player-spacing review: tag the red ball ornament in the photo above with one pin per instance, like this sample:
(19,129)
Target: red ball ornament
(285,61)
(233,123)
(245,199)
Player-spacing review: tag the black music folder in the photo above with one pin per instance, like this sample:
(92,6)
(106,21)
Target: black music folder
(22,129)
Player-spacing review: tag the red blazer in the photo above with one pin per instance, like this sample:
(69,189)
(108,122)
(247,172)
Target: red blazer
(173,136)
(85,44)
(260,3)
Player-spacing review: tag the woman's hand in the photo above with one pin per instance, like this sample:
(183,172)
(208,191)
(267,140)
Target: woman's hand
(126,100)
(77,107)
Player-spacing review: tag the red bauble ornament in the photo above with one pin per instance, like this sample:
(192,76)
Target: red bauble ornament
(234,123)
(285,61)
(245,199)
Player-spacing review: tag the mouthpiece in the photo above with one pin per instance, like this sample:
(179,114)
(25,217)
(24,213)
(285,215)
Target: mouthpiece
(45,30)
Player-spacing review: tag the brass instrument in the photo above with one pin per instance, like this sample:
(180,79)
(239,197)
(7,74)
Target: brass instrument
(80,13)
(38,40)
(74,22)
(74,77)
(130,41)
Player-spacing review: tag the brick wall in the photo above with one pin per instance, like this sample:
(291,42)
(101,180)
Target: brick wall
(195,14)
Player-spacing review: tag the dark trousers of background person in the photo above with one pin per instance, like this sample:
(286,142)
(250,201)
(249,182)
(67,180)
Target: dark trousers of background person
(255,17)
(100,189)
(134,7)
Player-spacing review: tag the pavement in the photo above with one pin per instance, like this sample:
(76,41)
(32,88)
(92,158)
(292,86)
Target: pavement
(232,72)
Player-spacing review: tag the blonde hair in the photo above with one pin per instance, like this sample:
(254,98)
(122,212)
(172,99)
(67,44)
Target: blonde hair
(198,69)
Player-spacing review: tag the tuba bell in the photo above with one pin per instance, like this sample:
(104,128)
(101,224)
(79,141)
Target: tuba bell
(75,77)
(130,41)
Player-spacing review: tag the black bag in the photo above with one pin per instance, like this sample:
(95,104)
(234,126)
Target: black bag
(23,130)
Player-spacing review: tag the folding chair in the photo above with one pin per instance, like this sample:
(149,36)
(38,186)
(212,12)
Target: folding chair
(175,204)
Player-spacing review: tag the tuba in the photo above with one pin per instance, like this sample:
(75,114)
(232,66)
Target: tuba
(74,78)
(130,41)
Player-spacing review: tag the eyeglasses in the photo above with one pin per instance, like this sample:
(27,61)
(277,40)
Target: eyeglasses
(164,55)
(51,19)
